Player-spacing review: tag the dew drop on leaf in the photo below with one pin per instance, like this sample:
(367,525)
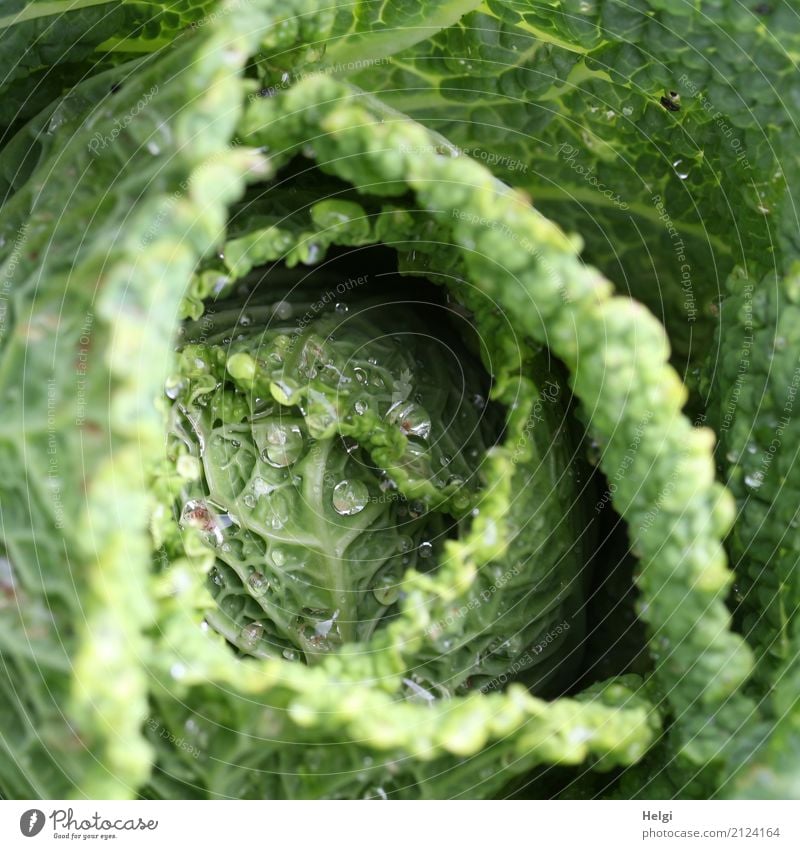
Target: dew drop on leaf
(258,584)
(173,387)
(262,487)
(278,510)
(323,628)
(284,391)
(412,419)
(282,310)
(680,169)
(755,480)
(416,509)
(250,636)
(350,444)
(197,514)
(350,497)
(284,445)
(386,592)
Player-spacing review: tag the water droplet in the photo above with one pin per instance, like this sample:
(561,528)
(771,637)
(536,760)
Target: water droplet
(153,148)
(278,557)
(216,578)
(425,550)
(173,387)
(278,510)
(177,671)
(196,514)
(416,509)
(341,309)
(680,169)
(282,310)
(250,636)
(290,654)
(361,407)
(594,452)
(754,480)
(284,444)
(404,543)
(386,592)
(386,484)
(413,420)
(244,320)
(461,501)
(350,497)
(258,584)
(262,487)
(249,500)
(323,628)
(445,459)
(360,375)
(418,693)
(285,391)
(375,793)
(627,111)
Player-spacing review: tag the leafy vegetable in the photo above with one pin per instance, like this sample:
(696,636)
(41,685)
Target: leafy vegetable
(318,432)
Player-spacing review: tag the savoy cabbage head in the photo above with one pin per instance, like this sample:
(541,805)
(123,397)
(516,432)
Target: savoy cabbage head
(399,399)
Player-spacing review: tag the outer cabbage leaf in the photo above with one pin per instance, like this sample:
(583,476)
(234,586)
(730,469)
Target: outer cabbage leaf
(51,45)
(658,131)
(78,435)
